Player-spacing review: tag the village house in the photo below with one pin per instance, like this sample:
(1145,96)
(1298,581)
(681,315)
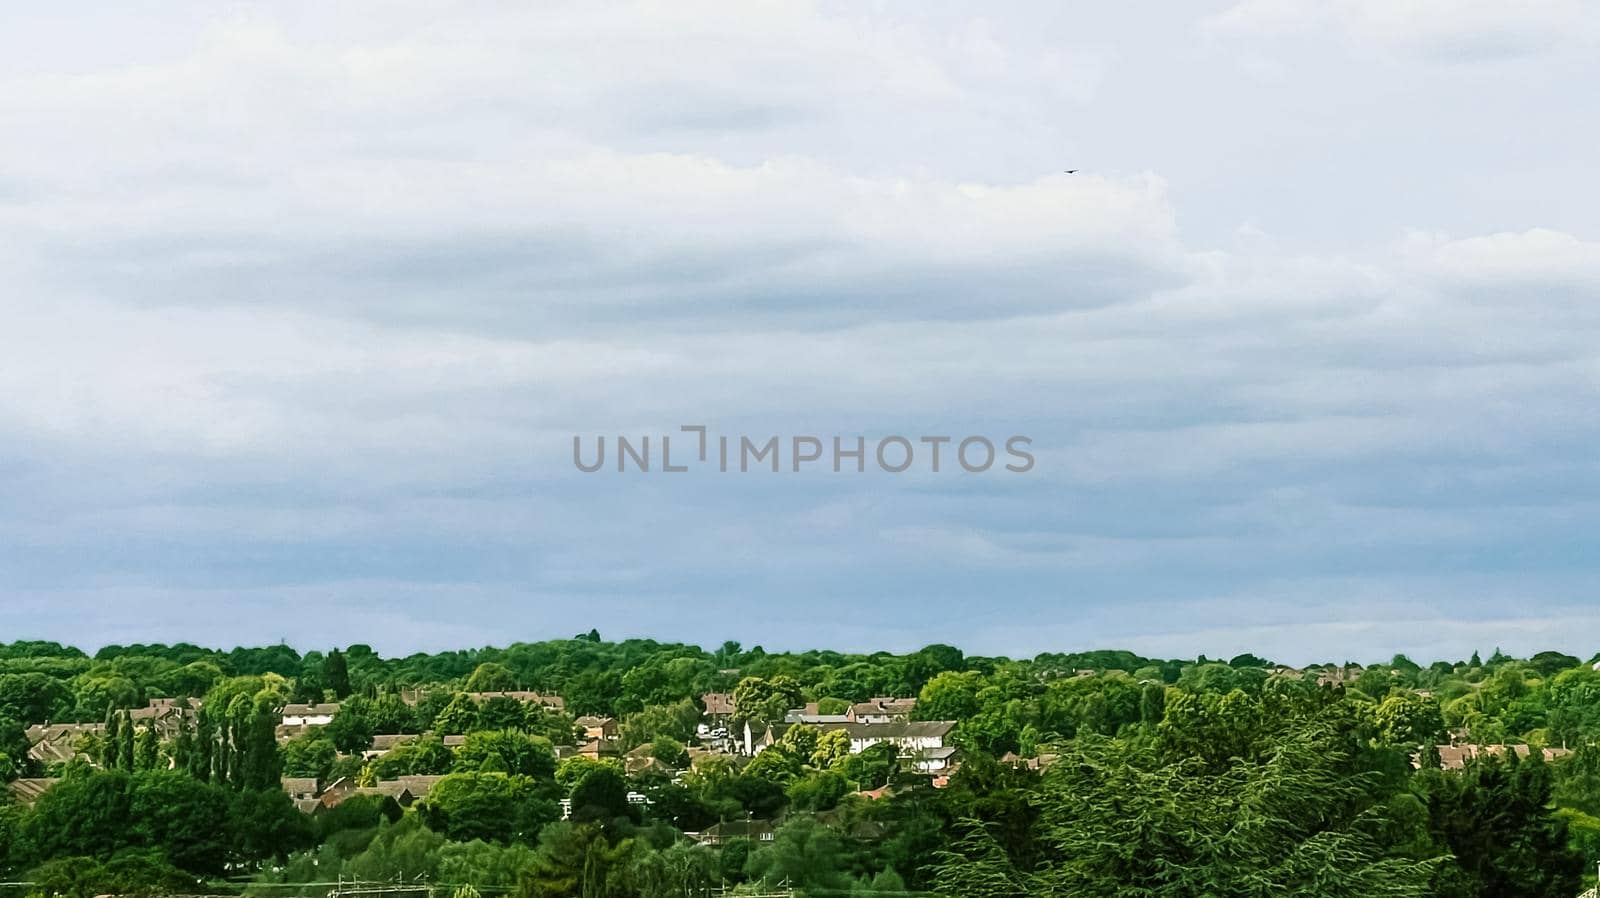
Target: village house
(1015,760)
(597,749)
(53,743)
(548,702)
(309,715)
(336,792)
(908,737)
(809,715)
(27,790)
(881,709)
(300,788)
(732,830)
(936,761)
(168,715)
(758,739)
(1339,676)
(718,705)
(599,727)
(383,743)
(1457,757)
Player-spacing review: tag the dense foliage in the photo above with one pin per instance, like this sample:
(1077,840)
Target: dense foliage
(1088,774)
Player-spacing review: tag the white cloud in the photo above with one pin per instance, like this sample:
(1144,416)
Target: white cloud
(1452,30)
(315,298)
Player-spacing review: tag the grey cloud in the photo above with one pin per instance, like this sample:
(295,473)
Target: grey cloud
(303,309)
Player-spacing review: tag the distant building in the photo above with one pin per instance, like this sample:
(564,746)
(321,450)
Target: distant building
(908,737)
(544,700)
(311,715)
(548,702)
(598,749)
(936,761)
(882,709)
(26,791)
(599,727)
(52,743)
(731,830)
(1457,757)
(383,743)
(167,714)
(717,704)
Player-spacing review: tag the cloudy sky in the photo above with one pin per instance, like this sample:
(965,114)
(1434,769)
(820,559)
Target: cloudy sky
(302,304)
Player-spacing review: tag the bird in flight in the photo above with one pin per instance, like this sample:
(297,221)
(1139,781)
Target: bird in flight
(1071,171)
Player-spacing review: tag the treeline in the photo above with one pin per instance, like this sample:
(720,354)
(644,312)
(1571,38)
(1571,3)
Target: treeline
(1099,773)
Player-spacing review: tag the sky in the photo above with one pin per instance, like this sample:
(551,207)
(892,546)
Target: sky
(302,305)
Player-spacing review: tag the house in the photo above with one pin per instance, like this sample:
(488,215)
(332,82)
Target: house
(395,789)
(311,715)
(26,791)
(731,830)
(1016,760)
(300,788)
(1457,757)
(717,704)
(936,761)
(597,749)
(336,792)
(635,766)
(758,738)
(641,759)
(599,727)
(419,785)
(548,702)
(168,715)
(384,743)
(908,737)
(809,715)
(53,743)
(881,709)
(405,790)
(1338,676)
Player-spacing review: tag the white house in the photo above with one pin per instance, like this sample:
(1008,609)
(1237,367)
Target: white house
(908,737)
(312,715)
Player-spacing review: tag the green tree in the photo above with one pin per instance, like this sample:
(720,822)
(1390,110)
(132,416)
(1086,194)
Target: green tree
(309,754)
(459,716)
(1115,815)
(766,700)
(1496,819)
(975,866)
(352,728)
(1408,719)
(336,674)
(264,824)
(600,794)
(508,751)
(491,677)
(495,807)
(147,751)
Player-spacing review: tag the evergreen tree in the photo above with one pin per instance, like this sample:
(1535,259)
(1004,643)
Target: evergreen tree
(125,738)
(977,867)
(260,765)
(111,743)
(183,745)
(205,746)
(148,749)
(1152,704)
(336,673)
